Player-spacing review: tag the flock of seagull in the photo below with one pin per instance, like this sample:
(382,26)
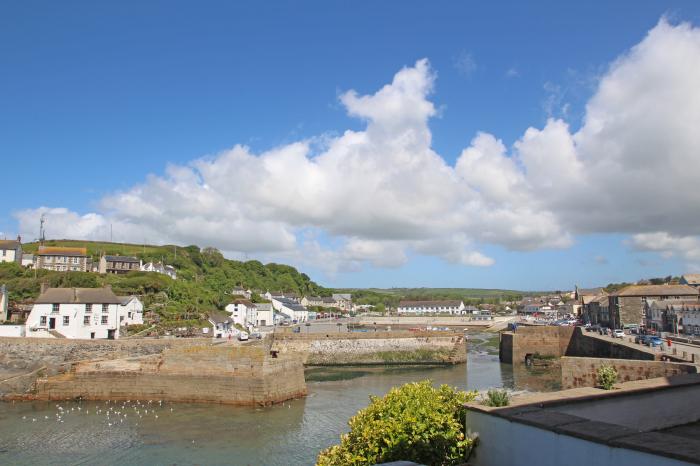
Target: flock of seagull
(113,412)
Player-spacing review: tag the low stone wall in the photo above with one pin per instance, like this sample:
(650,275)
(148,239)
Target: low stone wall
(235,375)
(581,372)
(32,353)
(563,341)
(379,348)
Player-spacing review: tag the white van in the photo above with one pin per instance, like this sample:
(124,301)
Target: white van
(242,336)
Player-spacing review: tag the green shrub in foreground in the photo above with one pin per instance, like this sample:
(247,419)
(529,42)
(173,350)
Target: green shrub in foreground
(606,377)
(497,398)
(414,422)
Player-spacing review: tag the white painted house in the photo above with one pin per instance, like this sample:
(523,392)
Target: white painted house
(431,307)
(158,267)
(291,308)
(130,310)
(11,250)
(86,313)
(243,312)
(265,314)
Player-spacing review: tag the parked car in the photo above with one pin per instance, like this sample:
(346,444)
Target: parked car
(655,341)
(618,333)
(242,336)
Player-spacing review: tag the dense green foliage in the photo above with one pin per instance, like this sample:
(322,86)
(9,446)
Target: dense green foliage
(606,377)
(414,422)
(205,278)
(497,398)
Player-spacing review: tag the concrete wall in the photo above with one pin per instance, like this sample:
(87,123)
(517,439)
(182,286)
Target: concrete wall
(222,374)
(581,372)
(12,330)
(379,348)
(503,442)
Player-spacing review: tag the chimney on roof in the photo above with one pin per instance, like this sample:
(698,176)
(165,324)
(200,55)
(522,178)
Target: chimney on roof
(19,239)
(75,294)
(43,287)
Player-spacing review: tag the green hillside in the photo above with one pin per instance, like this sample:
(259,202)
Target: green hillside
(204,279)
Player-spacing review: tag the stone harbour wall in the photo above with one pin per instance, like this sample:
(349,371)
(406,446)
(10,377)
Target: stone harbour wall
(238,375)
(581,372)
(397,348)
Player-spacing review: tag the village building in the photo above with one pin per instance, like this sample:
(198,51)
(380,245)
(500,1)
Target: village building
(222,325)
(692,279)
(118,264)
(158,267)
(453,307)
(312,301)
(674,316)
(627,305)
(11,250)
(242,292)
(265,314)
(62,259)
(290,308)
(4,301)
(130,310)
(243,312)
(343,301)
(27,260)
(87,313)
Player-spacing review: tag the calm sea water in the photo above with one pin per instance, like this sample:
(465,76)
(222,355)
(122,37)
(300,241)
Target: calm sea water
(180,434)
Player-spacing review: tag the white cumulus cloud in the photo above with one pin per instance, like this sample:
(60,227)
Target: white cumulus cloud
(377,195)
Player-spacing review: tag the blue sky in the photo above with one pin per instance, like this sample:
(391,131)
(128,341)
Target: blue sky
(95,98)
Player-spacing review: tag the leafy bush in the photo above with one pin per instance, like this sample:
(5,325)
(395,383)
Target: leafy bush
(497,398)
(414,422)
(606,376)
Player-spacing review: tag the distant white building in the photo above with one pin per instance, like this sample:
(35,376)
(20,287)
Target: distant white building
(158,267)
(265,314)
(27,260)
(11,250)
(130,310)
(240,291)
(343,301)
(431,307)
(222,325)
(86,313)
(287,306)
(243,312)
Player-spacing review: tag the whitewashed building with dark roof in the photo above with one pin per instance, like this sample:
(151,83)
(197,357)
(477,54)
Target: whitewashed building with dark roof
(453,307)
(76,313)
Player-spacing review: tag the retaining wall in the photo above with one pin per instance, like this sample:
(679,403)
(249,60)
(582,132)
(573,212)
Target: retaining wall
(564,341)
(223,374)
(581,372)
(379,348)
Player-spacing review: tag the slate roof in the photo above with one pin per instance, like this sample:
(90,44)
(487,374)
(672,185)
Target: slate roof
(424,304)
(218,317)
(245,302)
(9,244)
(692,278)
(657,290)
(124,300)
(78,296)
(61,251)
(121,259)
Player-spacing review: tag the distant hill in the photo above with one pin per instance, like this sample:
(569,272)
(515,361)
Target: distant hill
(205,278)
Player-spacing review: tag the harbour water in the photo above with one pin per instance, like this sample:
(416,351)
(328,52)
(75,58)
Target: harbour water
(180,434)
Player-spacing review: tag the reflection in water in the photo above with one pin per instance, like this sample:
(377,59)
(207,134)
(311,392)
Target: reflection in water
(291,433)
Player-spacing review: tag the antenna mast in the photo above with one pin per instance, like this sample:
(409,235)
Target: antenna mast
(42,232)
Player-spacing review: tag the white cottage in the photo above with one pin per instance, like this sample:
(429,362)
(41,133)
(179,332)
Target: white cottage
(265,314)
(431,307)
(86,313)
(130,310)
(243,312)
